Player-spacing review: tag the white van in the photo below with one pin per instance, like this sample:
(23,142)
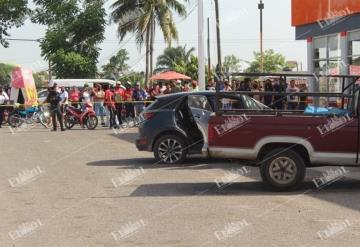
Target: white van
(80,82)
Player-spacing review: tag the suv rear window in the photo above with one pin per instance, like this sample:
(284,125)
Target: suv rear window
(165,103)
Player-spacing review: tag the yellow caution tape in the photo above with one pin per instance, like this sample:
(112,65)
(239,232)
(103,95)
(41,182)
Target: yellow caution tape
(122,102)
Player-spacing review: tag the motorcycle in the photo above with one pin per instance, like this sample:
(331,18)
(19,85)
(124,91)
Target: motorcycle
(29,116)
(86,118)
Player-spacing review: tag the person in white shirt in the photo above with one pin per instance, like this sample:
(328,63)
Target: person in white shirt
(226,101)
(86,98)
(256,90)
(292,101)
(64,95)
(4,98)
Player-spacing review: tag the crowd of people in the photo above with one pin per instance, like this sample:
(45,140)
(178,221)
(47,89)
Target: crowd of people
(269,86)
(113,104)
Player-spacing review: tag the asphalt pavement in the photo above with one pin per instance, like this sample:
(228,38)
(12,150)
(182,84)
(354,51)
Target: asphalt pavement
(93,188)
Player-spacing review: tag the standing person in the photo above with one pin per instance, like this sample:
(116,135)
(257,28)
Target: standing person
(292,101)
(119,98)
(246,85)
(268,88)
(279,100)
(4,98)
(256,90)
(186,87)
(99,96)
(139,95)
(154,91)
(194,86)
(74,97)
(54,100)
(109,103)
(303,99)
(210,85)
(168,88)
(226,104)
(128,98)
(86,97)
(162,87)
(175,86)
(227,86)
(64,95)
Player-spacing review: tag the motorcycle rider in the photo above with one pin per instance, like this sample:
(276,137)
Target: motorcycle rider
(54,100)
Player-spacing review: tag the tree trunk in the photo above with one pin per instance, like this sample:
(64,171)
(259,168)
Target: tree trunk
(152,39)
(148,33)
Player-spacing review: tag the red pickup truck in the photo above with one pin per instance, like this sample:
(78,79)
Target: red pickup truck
(284,143)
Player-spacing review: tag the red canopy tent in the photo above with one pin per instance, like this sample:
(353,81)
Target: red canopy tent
(168,76)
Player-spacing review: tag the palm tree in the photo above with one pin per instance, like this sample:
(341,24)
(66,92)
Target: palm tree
(142,16)
(172,57)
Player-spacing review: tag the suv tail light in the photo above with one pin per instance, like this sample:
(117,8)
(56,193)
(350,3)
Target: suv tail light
(148,115)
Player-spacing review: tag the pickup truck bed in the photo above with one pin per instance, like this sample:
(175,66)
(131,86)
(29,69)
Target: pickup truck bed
(319,144)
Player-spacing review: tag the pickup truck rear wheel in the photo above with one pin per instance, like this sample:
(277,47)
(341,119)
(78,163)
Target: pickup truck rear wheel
(170,149)
(283,170)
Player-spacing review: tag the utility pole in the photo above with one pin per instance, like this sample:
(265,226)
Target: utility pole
(218,39)
(261,8)
(201,48)
(219,66)
(50,74)
(208,46)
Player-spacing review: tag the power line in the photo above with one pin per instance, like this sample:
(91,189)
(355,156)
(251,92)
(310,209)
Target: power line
(26,40)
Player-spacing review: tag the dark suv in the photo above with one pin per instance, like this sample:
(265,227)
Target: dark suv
(176,125)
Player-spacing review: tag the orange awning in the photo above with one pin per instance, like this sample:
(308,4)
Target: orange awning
(168,76)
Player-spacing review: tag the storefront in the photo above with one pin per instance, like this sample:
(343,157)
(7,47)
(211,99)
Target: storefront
(332,31)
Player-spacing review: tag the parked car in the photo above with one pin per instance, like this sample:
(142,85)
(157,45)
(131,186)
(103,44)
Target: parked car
(42,96)
(169,126)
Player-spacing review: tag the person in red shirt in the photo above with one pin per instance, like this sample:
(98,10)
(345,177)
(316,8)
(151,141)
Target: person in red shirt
(154,91)
(128,97)
(119,98)
(109,103)
(74,97)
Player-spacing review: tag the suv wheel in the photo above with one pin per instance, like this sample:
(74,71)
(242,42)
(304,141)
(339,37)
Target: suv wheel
(170,149)
(283,170)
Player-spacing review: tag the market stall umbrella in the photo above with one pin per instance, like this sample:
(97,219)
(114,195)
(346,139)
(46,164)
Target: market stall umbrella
(168,76)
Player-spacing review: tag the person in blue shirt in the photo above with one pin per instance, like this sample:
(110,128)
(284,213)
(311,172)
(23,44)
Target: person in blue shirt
(54,100)
(139,95)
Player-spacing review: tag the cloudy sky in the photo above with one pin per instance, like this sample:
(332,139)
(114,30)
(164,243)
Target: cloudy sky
(239,33)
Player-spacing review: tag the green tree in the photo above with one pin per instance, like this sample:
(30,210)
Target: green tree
(142,16)
(13,13)
(173,56)
(133,77)
(117,65)
(75,30)
(40,78)
(190,68)
(273,62)
(231,64)
(5,73)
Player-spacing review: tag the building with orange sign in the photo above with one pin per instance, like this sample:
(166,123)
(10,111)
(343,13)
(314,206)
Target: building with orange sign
(332,31)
